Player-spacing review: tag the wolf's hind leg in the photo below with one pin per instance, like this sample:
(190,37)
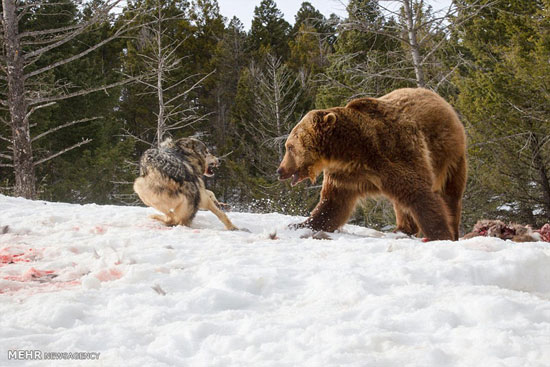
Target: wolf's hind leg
(184,212)
(167,220)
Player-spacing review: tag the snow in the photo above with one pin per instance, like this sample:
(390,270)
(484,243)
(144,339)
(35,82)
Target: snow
(107,279)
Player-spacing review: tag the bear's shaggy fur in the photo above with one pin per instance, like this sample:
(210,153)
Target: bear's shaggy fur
(408,145)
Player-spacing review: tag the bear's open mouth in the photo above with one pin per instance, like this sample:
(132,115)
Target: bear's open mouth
(296,179)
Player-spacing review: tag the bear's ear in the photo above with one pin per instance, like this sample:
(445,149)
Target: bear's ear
(329,118)
(324,120)
(369,106)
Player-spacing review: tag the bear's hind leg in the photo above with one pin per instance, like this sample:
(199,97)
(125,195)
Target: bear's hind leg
(452,194)
(408,189)
(432,216)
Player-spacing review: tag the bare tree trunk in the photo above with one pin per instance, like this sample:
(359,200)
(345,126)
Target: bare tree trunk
(175,111)
(413,43)
(25,48)
(160,70)
(22,148)
(275,104)
(543,176)
(277,92)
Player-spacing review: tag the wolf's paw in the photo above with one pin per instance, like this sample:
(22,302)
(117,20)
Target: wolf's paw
(163,218)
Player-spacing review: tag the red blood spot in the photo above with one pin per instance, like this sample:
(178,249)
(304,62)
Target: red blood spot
(425,239)
(38,287)
(98,230)
(11,255)
(108,275)
(32,274)
(545,232)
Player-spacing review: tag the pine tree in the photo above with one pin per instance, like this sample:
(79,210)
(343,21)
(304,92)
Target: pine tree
(309,16)
(504,100)
(228,60)
(269,32)
(365,61)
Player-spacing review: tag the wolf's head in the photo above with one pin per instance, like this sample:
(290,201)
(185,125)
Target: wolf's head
(196,152)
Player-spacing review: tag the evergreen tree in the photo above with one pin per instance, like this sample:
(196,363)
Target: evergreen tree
(504,101)
(61,54)
(309,16)
(228,61)
(269,32)
(366,61)
(265,112)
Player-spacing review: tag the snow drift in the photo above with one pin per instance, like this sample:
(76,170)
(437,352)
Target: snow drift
(107,279)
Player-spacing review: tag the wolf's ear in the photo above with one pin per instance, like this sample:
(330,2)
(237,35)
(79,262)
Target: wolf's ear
(167,143)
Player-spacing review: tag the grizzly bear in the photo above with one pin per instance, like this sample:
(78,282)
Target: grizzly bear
(408,146)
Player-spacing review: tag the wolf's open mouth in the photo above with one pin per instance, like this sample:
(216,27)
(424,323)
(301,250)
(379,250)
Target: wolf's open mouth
(209,170)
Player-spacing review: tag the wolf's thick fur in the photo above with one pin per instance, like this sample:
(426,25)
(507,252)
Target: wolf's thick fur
(171,182)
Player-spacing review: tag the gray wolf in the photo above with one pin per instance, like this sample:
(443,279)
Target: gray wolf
(171,181)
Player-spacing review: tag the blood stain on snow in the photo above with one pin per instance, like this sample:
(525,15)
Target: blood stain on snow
(12,255)
(38,287)
(33,274)
(99,230)
(109,275)
(31,280)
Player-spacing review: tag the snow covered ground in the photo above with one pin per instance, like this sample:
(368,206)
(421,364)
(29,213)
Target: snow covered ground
(82,279)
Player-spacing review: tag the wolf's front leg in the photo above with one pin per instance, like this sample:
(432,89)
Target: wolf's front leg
(209,202)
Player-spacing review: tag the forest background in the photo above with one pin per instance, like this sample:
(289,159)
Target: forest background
(87,87)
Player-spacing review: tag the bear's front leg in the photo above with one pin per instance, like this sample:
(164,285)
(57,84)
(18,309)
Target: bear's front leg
(333,210)
(404,221)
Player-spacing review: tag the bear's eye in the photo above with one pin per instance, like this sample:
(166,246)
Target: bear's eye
(290,148)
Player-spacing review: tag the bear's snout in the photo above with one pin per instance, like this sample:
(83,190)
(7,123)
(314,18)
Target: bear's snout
(282,174)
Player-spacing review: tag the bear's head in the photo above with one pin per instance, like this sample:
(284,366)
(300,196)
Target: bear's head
(304,156)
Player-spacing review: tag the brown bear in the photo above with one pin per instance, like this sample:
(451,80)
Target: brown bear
(408,145)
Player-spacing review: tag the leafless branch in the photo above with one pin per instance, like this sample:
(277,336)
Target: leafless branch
(86,141)
(34,108)
(101,12)
(117,34)
(64,126)
(49,31)
(128,133)
(195,85)
(82,92)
